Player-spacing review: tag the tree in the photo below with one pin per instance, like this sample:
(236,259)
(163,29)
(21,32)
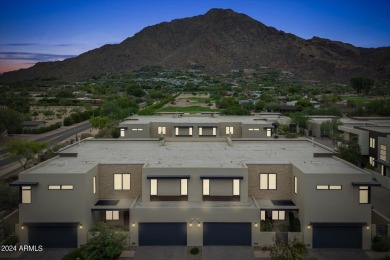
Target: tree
(302,103)
(9,196)
(99,122)
(350,151)
(362,84)
(105,244)
(24,151)
(10,120)
(300,119)
(330,127)
(294,249)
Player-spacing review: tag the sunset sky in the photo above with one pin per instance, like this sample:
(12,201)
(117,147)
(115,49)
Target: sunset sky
(45,30)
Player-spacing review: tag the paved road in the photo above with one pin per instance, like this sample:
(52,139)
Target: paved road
(54,138)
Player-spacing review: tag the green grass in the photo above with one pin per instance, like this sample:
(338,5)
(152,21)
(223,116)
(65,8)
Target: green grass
(357,99)
(190,109)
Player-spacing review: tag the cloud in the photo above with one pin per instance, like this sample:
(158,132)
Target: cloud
(30,56)
(19,44)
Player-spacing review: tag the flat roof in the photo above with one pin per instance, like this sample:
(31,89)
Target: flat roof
(259,119)
(195,154)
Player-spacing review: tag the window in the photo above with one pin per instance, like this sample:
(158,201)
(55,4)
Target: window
(112,215)
(382,170)
(372,161)
(162,130)
(214,131)
(329,187)
(364,195)
(254,129)
(269,132)
(200,131)
(122,131)
(262,214)
(295,185)
(278,215)
(60,187)
(153,187)
(94,184)
(382,152)
(229,130)
(206,187)
(372,142)
(26,194)
(137,129)
(236,187)
(190,131)
(122,181)
(183,187)
(267,181)
(176,130)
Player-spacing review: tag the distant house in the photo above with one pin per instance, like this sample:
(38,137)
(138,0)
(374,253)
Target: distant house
(33,124)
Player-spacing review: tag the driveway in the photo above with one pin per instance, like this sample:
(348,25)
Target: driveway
(339,254)
(227,252)
(161,253)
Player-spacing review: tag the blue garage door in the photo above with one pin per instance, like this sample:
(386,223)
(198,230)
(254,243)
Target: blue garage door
(162,234)
(227,234)
(337,236)
(53,236)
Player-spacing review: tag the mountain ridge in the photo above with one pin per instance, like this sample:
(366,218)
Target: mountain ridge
(220,40)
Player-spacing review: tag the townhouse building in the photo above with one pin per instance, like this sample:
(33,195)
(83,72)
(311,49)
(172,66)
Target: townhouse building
(196,192)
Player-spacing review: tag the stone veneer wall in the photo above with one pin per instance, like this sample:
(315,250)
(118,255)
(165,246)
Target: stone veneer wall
(106,181)
(283,181)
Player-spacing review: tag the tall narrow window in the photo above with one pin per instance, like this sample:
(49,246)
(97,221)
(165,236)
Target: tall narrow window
(372,142)
(122,131)
(200,131)
(382,170)
(190,131)
(176,130)
(183,187)
(372,161)
(382,152)
(206,187)
(214,131)
(153,187)
(269,132)
(262,214)
(364,194)
(229,130)
(26,194)
(94,185)
(295,185)
(236,187)
(122,181)
(162,130)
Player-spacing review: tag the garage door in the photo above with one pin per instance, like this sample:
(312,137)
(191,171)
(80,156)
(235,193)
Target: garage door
(162,234)
(337,236)
(227,234)
(53,236)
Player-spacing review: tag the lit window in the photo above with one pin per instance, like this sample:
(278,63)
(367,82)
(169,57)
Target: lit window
(183,187)
(122,131)
(382,152)
(267,181)
(60,187)
(153,187)
(190,131)
(364,195)
(372,142)
(26,194)
(236,187)
(295,185)
(329,187)
(137,129)
(269,132)
(176,130)
(229,130)
(112,215)
(214,131)
(254,129)
(162,130)
(372,161)
(382,169)
(122,181)
(278,215)
(200,131)
(94,185)
(206,187)
(262,214)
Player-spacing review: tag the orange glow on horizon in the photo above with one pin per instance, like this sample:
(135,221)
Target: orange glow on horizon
(11,65)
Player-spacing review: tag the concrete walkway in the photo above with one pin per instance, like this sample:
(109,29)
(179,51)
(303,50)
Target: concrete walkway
(339,254)
(227,252)
(161,253)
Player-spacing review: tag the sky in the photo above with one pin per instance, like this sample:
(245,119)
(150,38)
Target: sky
(34,31)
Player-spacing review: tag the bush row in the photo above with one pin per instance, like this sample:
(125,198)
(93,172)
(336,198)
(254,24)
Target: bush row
(77,117)
(150,110)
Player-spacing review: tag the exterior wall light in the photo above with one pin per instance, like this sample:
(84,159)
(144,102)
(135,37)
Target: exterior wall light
(256,224)
(309,226)
(198,224)
(22,227)
(81,226)
(133,224)
(191,224)
(368,227)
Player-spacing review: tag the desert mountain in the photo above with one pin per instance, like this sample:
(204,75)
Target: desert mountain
(221,41)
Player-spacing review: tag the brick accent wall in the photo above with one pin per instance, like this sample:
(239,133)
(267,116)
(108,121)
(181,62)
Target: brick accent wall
(283,181)
(106,181)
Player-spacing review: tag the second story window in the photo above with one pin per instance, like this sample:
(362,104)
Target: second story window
(372,142)
(206,187)
(229,130)
(267,181)
(183,187)
(364,195)
(26,194)
(382,152)
(162,130)
(372,161)
(122,181)
(295,185)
